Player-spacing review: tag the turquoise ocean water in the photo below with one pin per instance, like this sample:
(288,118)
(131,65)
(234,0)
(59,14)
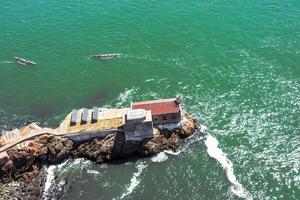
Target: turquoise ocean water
(236,64)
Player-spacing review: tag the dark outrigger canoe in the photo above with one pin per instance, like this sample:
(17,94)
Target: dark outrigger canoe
(107,56)
(23,61)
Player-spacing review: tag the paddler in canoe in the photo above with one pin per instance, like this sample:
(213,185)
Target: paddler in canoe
(23,61)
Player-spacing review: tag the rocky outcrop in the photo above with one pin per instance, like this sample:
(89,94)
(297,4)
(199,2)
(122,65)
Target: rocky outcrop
(24,164)
(160,143)
(16,190)
(98,150)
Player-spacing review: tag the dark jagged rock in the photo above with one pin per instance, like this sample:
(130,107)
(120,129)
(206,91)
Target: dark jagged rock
(98,150)
(22,190)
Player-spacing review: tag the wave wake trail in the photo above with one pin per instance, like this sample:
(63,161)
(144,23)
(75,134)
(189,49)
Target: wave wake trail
(215,152)
(6,62)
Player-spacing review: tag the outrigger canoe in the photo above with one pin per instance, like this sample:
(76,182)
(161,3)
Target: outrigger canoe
(107,56)
(23,61)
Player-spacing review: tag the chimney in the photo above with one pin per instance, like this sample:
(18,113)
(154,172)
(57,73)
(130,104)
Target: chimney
(178,100)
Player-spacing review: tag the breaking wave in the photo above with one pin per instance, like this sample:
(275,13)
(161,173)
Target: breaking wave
(135,180)
(215,152)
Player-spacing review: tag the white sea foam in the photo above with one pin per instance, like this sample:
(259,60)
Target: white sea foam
(215,152)
(77,161)
(60,166)
(50,178)
(125,97)
(49,181)
(149,80)
(161,157)
(104,166)
(91,171)
(77,164)
(188,141)
(174,153)
(135,180)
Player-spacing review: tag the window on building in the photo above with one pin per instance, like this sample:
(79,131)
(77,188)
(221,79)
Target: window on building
(155,119)
(164,117)
(173,117)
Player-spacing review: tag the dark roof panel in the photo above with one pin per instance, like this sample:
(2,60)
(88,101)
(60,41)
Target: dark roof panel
(74,115)
(84,116)
(95,114)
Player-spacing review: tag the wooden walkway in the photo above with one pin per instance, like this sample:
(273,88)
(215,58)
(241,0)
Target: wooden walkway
(29,137)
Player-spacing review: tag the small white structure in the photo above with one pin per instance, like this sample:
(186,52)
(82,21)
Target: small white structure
(138,125)
(136,115)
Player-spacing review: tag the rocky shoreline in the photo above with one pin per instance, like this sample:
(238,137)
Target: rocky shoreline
(21,175)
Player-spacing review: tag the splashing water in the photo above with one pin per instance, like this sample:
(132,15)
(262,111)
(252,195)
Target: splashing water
(161,157)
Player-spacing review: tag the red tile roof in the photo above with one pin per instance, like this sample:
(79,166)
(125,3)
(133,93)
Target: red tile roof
(158,107)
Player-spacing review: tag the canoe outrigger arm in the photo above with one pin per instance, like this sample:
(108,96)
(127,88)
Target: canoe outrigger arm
(23,61)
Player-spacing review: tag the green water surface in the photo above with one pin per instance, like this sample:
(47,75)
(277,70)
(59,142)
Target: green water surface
(236,64)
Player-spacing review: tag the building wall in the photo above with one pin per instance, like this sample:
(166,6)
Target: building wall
(138,130)
(78,137)
(166,119)
(138,135)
